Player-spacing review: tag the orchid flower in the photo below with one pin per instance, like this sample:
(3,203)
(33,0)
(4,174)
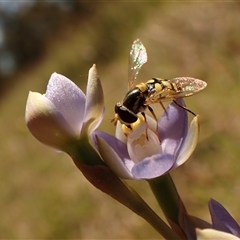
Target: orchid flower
(145,153)
(64,114)
(64,118)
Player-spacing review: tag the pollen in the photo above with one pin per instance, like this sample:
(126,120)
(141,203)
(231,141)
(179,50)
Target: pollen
(141,140)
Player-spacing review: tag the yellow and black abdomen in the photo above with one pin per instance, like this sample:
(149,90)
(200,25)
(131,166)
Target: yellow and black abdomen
(159,89)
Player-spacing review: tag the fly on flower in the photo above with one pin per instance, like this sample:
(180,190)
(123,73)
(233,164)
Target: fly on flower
(156,90)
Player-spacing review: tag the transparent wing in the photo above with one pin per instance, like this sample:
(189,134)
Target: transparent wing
(187,86)
(137,57)
(176,88)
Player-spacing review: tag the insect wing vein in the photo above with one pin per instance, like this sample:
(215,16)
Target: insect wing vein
(187,86)
(137,58)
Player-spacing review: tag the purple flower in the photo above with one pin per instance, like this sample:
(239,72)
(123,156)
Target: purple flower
(223,225)
(140,154)
(64,114)
(222,220)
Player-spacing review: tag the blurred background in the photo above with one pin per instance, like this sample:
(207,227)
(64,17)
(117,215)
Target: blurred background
(43,195)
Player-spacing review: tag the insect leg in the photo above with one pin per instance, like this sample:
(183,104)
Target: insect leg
(164,109)
(154,115)
(145,119)
(152,112)
(184,108)
(114,120)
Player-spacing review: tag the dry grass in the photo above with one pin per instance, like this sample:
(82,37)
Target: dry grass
(43,195)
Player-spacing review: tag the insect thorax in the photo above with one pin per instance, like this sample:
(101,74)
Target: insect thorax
(134,100)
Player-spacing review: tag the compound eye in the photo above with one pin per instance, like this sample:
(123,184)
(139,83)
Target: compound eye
(126,116)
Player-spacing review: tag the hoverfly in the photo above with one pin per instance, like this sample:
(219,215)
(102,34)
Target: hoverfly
(156,90)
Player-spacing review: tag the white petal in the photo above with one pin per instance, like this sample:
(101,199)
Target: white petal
(94,111)
(190,142)
(211,234)
(68,99)
(46,123)
(140,147)
(113,160)
(119,133)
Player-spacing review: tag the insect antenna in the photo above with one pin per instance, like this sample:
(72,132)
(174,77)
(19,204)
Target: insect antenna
(184,108)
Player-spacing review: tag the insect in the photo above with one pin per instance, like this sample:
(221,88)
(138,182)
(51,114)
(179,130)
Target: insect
(156,90)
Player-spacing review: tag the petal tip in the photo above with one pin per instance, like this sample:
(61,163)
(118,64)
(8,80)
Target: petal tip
(54,74)
(93,71)
(94,110)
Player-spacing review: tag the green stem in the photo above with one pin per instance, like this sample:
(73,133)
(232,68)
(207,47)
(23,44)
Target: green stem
(167,196)
(156,222)
(84,152)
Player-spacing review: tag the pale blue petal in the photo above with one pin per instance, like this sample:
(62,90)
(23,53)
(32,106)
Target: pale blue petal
(114,154)
(46,123)
(119,147)
(173,127)
(68,99)
(153,166)
(189,144)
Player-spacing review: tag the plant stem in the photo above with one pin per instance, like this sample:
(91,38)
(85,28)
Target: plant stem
(167,196)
